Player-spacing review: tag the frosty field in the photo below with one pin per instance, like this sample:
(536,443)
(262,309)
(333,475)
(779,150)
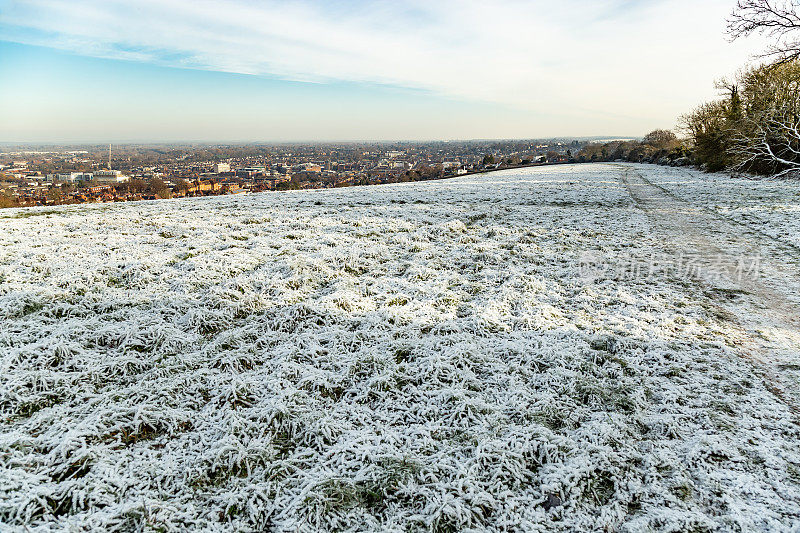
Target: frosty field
(431,356)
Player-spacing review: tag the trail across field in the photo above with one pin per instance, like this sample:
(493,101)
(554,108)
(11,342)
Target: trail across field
(754,276)
(540,349)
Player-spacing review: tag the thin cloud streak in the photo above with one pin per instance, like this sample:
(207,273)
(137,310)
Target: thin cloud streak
(609,56)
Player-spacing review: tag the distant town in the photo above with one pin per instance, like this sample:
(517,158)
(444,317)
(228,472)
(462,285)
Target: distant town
(52,175)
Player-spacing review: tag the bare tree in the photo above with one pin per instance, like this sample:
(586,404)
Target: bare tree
(54,195)
(137,186)
(778,19)
(773,139)
(661,139)
(7,201)
(182,185)
(159,188)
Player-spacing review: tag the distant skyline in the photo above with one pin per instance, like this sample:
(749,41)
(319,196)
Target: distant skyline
(344,70)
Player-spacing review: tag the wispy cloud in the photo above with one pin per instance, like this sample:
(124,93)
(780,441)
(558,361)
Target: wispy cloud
(610,56)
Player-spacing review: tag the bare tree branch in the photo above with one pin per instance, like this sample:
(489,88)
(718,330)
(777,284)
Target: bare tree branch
(772,138)
(778,19)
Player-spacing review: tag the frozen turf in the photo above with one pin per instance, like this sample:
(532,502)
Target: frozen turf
(415,357)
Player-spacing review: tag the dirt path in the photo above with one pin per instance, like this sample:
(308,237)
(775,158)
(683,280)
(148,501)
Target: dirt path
(744,273)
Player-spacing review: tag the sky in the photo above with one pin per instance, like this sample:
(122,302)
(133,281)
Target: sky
(264,70)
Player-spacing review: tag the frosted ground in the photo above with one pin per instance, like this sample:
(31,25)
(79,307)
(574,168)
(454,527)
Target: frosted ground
(437,356)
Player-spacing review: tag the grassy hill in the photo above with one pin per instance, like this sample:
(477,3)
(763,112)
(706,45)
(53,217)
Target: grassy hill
(435,356)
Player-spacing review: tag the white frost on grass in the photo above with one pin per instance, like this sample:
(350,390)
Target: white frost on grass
(413,357)
(769,206)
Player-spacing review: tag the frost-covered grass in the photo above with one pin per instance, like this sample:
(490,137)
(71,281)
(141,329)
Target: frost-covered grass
(769,206)
(419,357)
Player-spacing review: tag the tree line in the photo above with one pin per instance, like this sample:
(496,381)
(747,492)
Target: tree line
(754,126)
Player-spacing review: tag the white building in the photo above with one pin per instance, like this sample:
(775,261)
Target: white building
(70,176)
(110,176)
(219,168)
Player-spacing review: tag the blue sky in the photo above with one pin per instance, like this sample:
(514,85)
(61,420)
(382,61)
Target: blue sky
(92,70)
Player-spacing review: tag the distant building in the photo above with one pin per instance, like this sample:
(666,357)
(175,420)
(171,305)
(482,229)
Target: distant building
(204,186)
(110,176)
(250,172)
(220,168)
(70,176)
